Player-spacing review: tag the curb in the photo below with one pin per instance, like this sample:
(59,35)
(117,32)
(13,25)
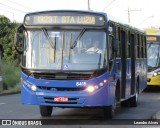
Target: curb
(8,93)
(156,116)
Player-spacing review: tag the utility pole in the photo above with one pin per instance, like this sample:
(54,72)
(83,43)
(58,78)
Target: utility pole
(89,5)
(129,11)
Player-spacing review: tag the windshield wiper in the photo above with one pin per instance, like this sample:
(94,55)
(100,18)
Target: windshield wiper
(78,38)
(47,36)
(99,61)
(149,45)
(49,40)
(70,48)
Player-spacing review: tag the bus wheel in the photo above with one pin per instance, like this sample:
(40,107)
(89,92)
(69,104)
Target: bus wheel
(134,99)
(46,111)
(125,103)
(108,112)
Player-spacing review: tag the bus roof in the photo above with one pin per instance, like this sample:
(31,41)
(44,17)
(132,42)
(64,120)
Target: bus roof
(107,16)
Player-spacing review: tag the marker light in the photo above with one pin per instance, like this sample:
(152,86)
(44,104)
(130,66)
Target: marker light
(101,84)
(91,88)
(21,79)
(33,87)
(105,81)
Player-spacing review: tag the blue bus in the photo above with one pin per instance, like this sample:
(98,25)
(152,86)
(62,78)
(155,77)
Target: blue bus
(62,66)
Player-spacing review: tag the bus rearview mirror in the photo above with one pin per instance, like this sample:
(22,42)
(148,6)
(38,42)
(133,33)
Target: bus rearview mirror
(16,39)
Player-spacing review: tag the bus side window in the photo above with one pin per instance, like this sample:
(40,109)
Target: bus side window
(110,45)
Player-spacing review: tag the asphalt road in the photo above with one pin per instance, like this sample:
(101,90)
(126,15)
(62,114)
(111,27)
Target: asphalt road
(149,104)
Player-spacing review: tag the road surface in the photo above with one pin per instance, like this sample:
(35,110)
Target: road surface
(149,104)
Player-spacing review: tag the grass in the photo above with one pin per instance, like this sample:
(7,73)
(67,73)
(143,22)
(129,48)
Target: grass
(10,76)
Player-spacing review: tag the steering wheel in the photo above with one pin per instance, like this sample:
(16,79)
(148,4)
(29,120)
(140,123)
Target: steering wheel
(91,52)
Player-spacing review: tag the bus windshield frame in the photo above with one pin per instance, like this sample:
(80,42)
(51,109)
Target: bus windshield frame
(52,50)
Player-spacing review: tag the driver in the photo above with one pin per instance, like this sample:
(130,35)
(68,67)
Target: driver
(95,48)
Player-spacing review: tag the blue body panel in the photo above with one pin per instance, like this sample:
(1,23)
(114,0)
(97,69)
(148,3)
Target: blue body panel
(80,98)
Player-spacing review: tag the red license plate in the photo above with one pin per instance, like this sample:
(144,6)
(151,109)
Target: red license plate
(61,99)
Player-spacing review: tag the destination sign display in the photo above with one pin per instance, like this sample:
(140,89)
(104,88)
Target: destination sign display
(64,19)
(153,38)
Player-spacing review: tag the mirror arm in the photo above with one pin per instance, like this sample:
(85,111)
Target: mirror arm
(16,37)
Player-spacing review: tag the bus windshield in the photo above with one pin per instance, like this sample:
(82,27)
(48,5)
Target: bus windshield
(153,54)
(64,50)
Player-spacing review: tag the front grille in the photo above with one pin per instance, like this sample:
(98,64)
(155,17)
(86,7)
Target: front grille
(61,88)
(62,76)
(50,100)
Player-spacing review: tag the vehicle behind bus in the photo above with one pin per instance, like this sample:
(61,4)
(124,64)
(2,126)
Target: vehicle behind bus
(153,60)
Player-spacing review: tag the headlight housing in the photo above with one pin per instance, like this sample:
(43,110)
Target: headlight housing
(29,85)
(92,88)
(156,73)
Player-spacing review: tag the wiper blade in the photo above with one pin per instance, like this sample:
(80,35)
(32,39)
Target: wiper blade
(149,45)
(99,62)
(47,36)
(49,40)
(78,37)
(70,48)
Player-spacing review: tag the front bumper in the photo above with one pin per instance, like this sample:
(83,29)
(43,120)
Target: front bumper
(153,81)
(75,98)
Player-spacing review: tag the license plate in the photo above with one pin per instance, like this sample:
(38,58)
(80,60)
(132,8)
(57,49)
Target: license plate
(61,99)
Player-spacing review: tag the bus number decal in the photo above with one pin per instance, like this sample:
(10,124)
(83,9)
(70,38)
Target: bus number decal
(81,83)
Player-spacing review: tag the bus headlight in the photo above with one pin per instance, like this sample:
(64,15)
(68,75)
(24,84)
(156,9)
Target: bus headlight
(30,85)
(33,87)
(156,73)
(91,88)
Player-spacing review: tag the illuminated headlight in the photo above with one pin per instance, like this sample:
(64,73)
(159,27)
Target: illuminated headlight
(91,88)
(30,85)
(33,88)
(103,83)
(155,74)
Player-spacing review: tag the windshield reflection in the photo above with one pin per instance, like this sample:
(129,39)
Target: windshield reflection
(153,55)
(54,50)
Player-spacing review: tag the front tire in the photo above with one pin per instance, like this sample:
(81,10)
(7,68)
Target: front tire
(45,111)
(108,112)
(134,100)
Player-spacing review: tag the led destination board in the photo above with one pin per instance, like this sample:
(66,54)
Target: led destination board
(153,38)
(64,19)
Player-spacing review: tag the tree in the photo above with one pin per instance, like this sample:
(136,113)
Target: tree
(7,30)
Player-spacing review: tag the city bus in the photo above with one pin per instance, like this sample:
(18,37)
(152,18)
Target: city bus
(58,70)
(153,60)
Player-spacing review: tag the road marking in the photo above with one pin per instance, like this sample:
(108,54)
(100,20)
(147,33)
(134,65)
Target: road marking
(2,103)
